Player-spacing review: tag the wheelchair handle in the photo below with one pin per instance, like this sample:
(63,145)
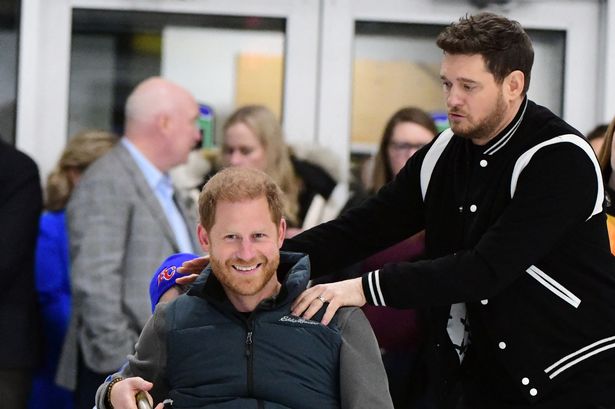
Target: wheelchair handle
(142,402)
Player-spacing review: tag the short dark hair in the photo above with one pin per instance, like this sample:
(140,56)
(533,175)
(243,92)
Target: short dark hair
(503,43)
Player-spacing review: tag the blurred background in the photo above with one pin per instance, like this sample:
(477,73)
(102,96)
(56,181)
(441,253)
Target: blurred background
(332,70)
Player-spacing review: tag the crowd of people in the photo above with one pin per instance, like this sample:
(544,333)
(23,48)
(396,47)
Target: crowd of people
(474,269)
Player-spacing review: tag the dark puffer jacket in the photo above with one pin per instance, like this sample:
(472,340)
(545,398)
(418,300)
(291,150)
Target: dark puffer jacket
(202,353)
(259,357)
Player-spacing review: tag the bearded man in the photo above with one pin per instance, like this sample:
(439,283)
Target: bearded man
(231,341)
(518,288)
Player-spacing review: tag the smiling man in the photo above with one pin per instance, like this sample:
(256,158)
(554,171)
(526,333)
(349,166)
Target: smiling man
(518,290)
(231,341)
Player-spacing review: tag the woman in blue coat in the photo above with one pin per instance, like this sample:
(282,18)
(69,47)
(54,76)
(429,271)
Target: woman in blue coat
(53,262)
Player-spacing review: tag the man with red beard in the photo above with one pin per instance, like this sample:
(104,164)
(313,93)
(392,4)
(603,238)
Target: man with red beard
(231,341)
(518,289)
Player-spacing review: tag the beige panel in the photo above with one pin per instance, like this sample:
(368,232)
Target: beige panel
(259,81)
(382,87)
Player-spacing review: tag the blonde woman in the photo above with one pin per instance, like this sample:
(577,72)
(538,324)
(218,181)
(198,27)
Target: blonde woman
(52,261)
(253,138)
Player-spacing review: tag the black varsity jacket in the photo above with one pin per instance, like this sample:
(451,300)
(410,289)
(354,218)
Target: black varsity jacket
(516,232)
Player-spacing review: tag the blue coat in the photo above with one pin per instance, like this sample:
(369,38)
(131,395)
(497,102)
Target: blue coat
(52,280)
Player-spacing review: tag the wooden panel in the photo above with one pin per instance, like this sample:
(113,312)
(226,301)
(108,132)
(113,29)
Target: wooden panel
(259,81)
(382,87)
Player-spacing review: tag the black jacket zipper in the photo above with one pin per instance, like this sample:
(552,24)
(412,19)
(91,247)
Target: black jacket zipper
(250,355)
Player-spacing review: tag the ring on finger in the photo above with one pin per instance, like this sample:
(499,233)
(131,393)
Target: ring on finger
(321,298)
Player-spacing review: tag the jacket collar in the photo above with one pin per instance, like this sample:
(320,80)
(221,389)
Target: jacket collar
(124,159)
(507,133)
(293,272)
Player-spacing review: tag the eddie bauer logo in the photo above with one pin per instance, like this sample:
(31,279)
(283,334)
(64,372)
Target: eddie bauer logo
(298,320)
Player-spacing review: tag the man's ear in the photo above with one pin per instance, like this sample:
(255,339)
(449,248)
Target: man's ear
(513,84)
(281,232)
(203,237)
(163,122)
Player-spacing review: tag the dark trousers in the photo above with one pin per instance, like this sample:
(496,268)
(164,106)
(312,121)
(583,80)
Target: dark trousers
(15,387)
(88,382)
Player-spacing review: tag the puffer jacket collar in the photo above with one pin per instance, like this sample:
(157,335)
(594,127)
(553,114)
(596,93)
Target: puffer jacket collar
(293,272)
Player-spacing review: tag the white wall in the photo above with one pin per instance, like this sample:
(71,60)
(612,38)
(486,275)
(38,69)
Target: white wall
(42,102)
(608,84)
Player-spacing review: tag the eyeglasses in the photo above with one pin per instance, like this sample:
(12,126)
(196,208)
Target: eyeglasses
(398,147)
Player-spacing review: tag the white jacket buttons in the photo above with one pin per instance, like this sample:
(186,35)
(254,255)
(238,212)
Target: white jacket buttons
(473,208)
(526,381)
(484,302)
(483,163)
(502,345)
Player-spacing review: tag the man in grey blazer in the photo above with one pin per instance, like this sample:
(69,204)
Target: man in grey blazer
(123,221)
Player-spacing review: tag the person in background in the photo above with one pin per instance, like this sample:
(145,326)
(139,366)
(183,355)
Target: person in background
(596,137)
(253,138)
(231,341)
(607,163)
(407,131)
(122,216)
(397,330)
(53,262)
(20,208)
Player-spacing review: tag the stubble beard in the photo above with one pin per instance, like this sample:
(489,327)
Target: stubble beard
(487,128)
(244,285)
